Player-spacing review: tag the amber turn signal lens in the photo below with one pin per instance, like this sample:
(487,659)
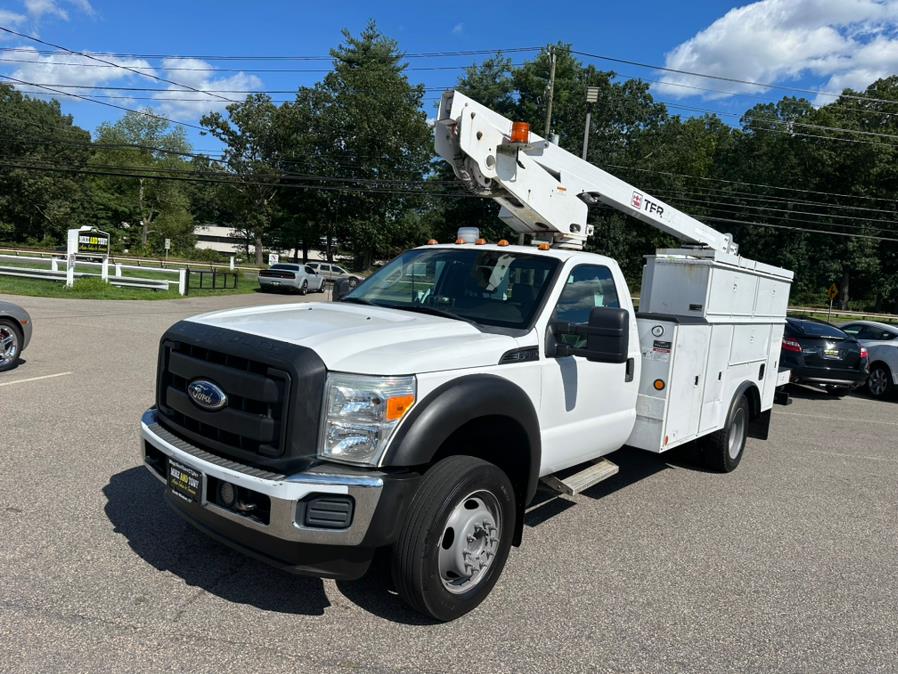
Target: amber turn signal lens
(520,132)
(459,242)
(543,246)
(480,242)
(659,384)
(502,243)
(431,242)
(398,406)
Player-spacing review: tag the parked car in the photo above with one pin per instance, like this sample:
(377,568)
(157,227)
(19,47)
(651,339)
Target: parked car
(332,272)
(881,342)
(289,276)
(820,354)
(15,333)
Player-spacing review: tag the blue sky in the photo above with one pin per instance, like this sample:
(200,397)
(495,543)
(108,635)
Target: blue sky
(813,44)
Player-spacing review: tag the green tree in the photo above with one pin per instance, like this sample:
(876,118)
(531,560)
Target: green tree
(146,145)
(38,201)
(254,134)
(373,131)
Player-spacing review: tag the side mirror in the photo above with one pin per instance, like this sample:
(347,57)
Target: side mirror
(341,289)
(607,336)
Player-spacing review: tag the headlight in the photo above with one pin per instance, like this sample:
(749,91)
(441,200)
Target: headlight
(361,414)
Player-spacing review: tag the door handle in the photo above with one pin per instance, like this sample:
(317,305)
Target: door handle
(631,365)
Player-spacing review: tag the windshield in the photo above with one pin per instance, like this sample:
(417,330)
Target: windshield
(287,267)
(484,286)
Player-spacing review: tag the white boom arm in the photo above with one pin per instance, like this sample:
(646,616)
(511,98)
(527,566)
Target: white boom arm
(543,189)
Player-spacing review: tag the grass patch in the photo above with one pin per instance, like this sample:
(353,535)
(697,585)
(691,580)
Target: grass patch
(96,289)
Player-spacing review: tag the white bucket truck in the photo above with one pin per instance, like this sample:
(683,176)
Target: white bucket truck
(420,413)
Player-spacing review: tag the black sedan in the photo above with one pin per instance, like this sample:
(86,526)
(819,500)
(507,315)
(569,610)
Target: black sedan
(820,354)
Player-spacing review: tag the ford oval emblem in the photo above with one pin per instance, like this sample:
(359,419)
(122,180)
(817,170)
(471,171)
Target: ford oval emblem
(207,395)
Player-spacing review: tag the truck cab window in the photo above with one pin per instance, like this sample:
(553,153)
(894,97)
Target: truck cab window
(587,287)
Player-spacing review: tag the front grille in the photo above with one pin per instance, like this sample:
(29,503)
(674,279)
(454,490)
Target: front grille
(255,418)
(274,389)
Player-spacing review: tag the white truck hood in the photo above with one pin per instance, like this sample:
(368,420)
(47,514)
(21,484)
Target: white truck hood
(369,340)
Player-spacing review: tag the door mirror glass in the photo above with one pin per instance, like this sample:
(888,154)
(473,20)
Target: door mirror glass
(604,339)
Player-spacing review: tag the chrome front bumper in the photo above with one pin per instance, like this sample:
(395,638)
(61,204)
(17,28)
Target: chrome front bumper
(284,491)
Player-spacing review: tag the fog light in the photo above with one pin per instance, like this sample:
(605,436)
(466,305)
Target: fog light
(227,494)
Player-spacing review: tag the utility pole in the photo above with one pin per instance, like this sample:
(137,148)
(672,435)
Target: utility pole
(592,95)
(551,92)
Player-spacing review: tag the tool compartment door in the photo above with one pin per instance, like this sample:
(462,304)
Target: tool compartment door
(687,384)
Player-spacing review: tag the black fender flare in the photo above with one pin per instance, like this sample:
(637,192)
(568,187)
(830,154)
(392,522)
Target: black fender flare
(453,404)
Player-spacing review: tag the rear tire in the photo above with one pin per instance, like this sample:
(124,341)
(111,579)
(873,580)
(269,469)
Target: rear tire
(11,339)
(879,384)
(454,544)
(722,450)
(304,288)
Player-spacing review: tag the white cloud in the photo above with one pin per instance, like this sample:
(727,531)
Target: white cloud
(8,18)
(186,104)
(84,6)
(37,9)
(458,29)
(844,42)
(77,70)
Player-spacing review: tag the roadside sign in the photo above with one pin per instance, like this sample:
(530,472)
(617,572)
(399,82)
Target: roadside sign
(833,292)
(93,241)
(168,244)
(273,258)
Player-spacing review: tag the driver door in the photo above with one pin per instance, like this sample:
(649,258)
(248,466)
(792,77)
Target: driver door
(587,409)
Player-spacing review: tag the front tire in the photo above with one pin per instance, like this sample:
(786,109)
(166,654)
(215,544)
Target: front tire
(454,544)
(11,339)
(722,450)
(879,383)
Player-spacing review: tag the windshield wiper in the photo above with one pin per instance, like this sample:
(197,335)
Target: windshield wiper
(359,300)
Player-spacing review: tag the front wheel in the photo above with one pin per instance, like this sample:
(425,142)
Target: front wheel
(723,449)
(880,382)
(454,545)
(10,345)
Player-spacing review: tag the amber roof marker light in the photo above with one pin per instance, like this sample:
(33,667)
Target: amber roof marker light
(520,132)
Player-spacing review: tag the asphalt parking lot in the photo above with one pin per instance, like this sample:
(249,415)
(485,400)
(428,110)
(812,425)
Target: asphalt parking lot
(788,564)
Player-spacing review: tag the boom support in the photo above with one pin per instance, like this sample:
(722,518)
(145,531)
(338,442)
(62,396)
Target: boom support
(543,189)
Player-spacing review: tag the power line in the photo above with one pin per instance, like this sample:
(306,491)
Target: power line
(222,70)
(782,210)
(109,105)
(754,196)
(734,80)
(110,63)
(232,57)
(752,184)
(801,229)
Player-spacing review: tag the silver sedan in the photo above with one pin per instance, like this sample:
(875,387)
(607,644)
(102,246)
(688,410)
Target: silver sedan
(291,276)
(15,333)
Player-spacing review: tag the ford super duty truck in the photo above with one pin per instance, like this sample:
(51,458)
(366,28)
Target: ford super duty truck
(420,412)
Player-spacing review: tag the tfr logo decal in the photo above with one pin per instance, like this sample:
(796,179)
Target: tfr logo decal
(641,203)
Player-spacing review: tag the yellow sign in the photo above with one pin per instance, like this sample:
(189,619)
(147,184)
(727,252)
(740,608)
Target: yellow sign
(833,292)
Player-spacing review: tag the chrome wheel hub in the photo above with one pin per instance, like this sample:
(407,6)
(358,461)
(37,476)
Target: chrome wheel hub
(9,345)
(469,542)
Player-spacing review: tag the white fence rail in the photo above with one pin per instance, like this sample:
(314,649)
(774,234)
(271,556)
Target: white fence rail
(10,265)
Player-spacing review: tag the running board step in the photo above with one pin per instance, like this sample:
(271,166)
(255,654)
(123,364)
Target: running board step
(574,484)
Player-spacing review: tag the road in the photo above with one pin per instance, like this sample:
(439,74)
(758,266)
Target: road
(787,564)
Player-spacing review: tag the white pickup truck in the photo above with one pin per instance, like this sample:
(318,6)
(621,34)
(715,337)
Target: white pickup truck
(420,412)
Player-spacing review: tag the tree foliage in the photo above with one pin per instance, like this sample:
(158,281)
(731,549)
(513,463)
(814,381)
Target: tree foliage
(348,165)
